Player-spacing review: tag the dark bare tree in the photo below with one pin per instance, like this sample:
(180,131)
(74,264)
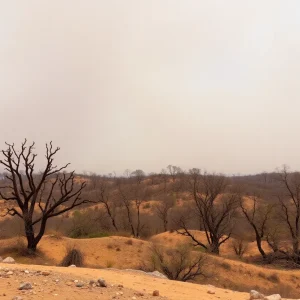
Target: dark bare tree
(215,207)
(35,198)
(133,192)
(289,200)
(162,209)
(174,171)
(257,215)
(108,198)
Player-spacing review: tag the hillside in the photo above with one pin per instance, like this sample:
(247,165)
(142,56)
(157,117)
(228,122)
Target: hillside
(128,253)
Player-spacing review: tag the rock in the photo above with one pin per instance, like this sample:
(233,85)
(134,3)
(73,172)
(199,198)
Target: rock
(157,274)
(155,293)
(72,266)
(26,272)
(25,286)
(101,282)
(92,282)
(79,284)
(139,294)
(120,286)
(256,295)
(45,273)
(211,290)
(133,298)
(17,298)
(10,273)
(9,260)
(273,297)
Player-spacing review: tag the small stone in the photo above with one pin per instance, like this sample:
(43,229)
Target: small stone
(101,282)
(155,293)
(92,282)
(10,273)
(17,298)
(273,297)
(120,286)
(79,284)
(25,286)
(76,281)
(45,273)
(9,260)
(133,298)
(72,266)
(26,272)
(256,295)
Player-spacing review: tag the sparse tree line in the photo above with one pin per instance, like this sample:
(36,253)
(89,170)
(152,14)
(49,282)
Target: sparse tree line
(267,205)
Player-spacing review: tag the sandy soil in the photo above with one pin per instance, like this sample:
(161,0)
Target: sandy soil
(60,285)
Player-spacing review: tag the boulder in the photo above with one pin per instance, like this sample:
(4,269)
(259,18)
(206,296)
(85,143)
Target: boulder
(9,260)
(273,297)
(256,295)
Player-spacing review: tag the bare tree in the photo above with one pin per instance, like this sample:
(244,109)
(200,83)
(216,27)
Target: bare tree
(214,206)
(174,171)
(162,210)
(257,216)
(133,192)
(107,197)
(37,198)
(289,200)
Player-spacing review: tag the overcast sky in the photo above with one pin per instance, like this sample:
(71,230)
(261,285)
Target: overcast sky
(143,84)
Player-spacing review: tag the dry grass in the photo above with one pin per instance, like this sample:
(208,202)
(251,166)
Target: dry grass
(73,257)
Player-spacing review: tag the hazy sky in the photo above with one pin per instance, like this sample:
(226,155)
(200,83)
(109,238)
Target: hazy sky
(143,84)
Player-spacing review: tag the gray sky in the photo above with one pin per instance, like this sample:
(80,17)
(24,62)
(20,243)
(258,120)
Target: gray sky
(143,84)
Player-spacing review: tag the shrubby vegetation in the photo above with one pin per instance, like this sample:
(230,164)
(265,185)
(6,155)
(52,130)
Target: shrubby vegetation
(263,207)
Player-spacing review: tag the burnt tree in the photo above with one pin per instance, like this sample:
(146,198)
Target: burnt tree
(257,215)
(214,206)
(35,198)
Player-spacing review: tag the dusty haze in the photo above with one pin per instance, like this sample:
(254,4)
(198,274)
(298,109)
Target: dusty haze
(144,84)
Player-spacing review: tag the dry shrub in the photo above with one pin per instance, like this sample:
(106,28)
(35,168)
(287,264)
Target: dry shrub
(179,263)
(273,278)
(73,256)
(239,247)
(225,265)
(129,242)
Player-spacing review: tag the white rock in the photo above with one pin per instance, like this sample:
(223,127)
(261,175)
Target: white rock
(9,260)
(26,272)
(273,297)
(256,295)
(211,290)
(10,273)
(72,266)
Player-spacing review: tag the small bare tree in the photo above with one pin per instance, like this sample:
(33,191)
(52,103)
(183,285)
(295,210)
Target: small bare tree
(239,246)
(108,198)
(257,216)
(162,210)
(35,198)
